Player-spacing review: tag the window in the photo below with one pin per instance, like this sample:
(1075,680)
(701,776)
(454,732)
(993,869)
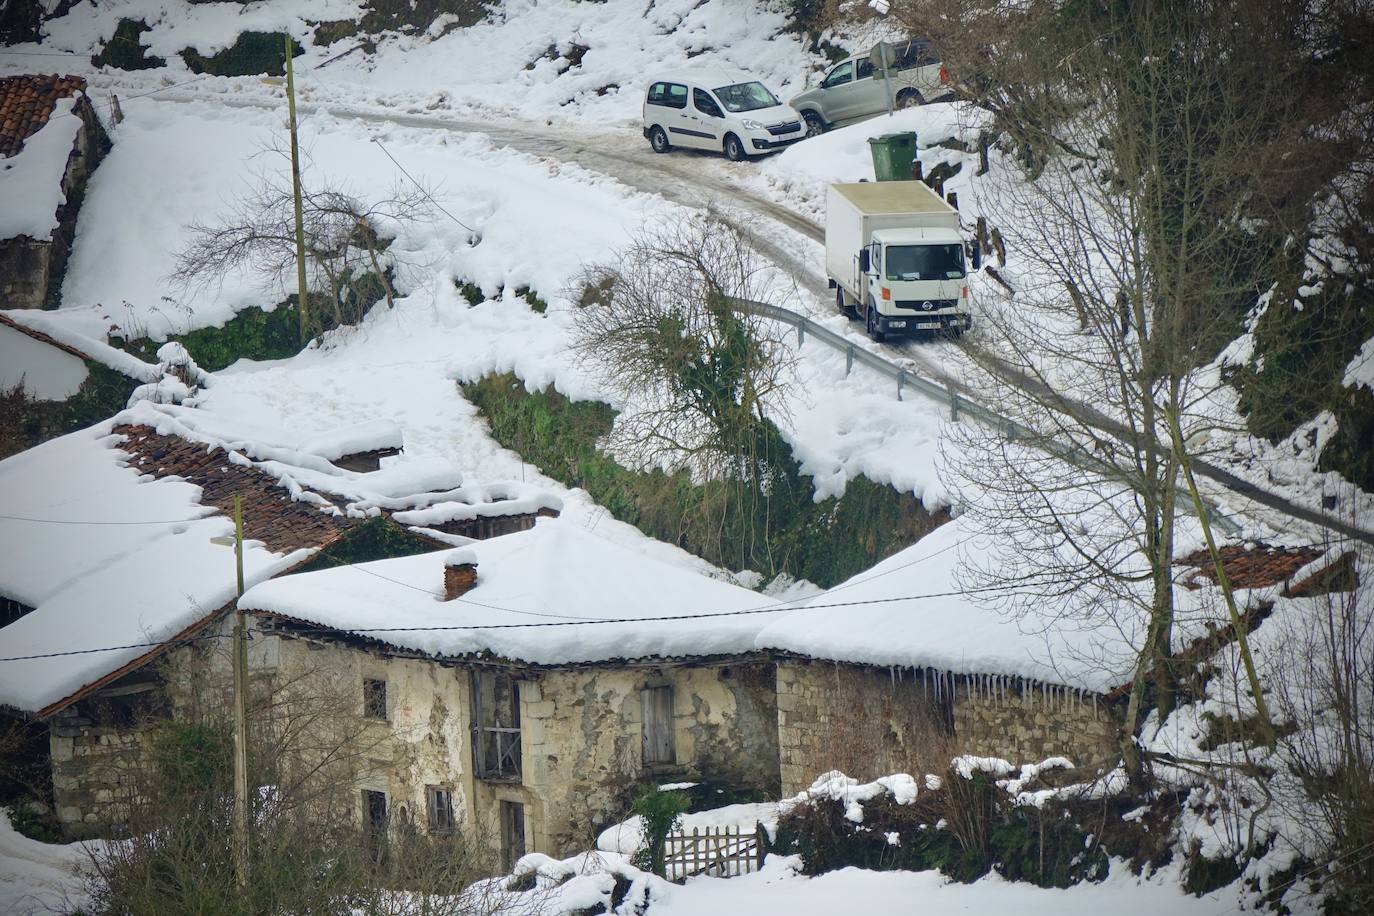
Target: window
(657,705)
(839,76)
(439,808)
(703,102)
(864,69)
(374,698)
(512,833)
(925,262)
(746,97)
(670,95)
(495,725)
(374,811)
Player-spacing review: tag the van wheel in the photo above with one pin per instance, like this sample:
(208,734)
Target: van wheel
(659,140)
(910,98)
(846,308)
(734,149)
(815,126)
(871,322)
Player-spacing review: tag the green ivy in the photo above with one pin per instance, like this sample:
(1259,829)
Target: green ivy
(782,530)
(253,333)
(661,813)
(125,50)
(374,539)
(253,53)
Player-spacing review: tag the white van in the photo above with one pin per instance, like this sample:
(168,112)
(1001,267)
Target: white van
(717,110)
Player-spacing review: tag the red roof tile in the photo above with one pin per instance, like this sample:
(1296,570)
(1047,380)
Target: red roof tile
(25,104)
(270,514)
(1252,567)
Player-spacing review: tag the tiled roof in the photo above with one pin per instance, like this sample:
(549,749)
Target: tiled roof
(1252,567)
(270,514)
(25,104)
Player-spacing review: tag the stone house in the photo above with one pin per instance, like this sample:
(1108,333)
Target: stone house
(51,141)
(108,543)
(525,684)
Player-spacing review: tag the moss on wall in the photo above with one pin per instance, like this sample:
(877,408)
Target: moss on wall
(125,50)
(375,539)
(253,53)
(25,423)
(253,333)
(784,530)
(1301,352)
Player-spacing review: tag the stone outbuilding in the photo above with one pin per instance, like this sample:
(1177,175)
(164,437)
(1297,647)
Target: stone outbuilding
(526,684)
(113,585)
(51,141)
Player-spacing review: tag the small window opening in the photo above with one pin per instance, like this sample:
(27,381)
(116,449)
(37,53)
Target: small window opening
(374,698)
(439,804)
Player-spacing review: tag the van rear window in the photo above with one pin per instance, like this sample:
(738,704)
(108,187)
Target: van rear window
(670,95)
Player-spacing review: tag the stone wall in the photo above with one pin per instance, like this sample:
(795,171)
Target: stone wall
(582,742)
(31,269)
(870,722)
(98,774)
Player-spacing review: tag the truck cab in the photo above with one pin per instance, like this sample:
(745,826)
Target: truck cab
(916,280)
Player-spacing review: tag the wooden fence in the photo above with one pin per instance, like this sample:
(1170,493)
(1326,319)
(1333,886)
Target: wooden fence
(720,852)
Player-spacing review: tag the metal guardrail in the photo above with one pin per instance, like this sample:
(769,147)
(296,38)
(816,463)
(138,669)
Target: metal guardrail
(947,395)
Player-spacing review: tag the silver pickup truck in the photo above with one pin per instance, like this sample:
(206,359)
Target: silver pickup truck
(853,89)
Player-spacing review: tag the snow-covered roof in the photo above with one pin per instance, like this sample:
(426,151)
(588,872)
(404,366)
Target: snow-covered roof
(537,595)
(107,532)
(31,179)
(916,617)
(106,556)
(712,78)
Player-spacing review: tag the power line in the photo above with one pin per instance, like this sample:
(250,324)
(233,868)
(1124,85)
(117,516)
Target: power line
(423,190)
(563,622)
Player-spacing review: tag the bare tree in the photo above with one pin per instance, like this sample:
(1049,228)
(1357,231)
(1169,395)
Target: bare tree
(702,380)
(349,265)
(1141,197)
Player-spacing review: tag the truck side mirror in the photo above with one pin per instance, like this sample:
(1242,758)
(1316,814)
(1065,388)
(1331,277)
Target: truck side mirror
(977,256)
(863,260)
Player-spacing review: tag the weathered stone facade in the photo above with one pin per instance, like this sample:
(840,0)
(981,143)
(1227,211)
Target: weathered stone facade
(580,735)
(31,268)
(870,722)
(582,741)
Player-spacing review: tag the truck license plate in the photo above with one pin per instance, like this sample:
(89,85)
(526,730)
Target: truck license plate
(896,324)
(927,325)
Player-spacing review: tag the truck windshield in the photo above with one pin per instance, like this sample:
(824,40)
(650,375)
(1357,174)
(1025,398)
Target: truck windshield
(925,262)
(746,97)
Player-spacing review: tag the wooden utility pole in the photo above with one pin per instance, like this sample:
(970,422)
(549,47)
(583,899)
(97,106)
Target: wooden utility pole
(302,301)
(240,713)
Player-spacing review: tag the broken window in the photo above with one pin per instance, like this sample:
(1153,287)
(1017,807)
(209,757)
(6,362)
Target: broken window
(439,804)
(512,833)
(657,705)
(375,824)
(374,698)
(495,725)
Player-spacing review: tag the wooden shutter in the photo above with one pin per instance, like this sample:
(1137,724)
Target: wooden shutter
(657,707)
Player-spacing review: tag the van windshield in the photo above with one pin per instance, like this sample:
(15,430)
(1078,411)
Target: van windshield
(746,97)
(925,262)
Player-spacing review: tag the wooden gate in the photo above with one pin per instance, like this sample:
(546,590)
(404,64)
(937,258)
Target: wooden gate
(720,852)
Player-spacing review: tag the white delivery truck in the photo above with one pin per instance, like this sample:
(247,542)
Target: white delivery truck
(894,257)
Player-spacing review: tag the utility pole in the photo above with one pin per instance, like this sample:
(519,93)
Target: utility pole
(240,713)
(302,302)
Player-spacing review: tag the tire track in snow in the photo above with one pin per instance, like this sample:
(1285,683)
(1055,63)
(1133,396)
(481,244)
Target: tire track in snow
(609,154)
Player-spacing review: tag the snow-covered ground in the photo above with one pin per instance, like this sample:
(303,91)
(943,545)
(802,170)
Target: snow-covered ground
(39,877)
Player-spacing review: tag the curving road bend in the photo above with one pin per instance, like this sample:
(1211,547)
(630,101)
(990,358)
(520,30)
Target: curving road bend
(681,178)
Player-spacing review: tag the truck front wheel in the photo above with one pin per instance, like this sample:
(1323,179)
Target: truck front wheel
(871,321)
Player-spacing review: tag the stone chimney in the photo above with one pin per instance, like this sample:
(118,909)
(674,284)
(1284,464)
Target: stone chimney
(460,574)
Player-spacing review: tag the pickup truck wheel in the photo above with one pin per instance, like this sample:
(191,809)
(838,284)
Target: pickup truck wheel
(910,98)
(845,307)
(659,140)
(815,126)
(734,149)
(871,322)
